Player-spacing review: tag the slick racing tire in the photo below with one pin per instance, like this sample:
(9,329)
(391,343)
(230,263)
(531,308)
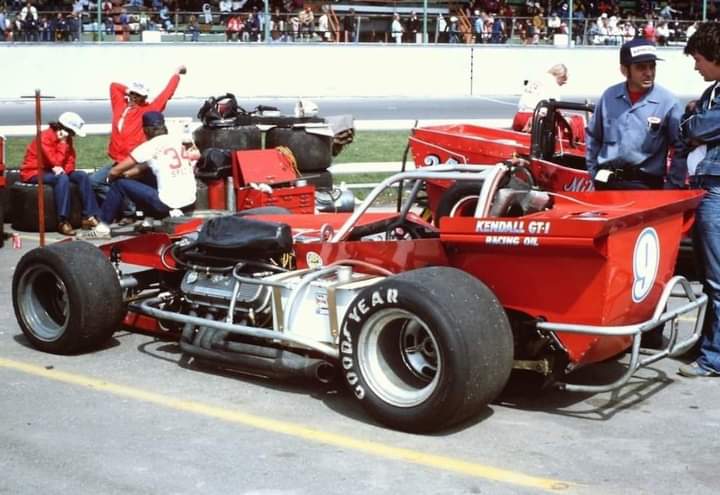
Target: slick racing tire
(67,297)
(459,200)
(11,177)
(24,197)
(313,153)
(242,137)
(426,349)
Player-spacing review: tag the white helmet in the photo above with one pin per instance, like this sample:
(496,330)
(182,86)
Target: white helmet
(73,122)
(139,88)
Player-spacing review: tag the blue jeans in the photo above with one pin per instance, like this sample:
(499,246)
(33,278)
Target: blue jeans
(98,179)
(707,234)
(61,191)
(145,196)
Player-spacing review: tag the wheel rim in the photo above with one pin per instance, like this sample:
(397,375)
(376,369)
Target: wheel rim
(398,356)
(465,207)
(43,303)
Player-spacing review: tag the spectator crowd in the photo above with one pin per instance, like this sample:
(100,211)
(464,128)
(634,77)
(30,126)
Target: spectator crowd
(596,22)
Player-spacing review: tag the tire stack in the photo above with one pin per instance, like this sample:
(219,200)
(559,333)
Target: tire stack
(24,197)
(313,152)
(238,137)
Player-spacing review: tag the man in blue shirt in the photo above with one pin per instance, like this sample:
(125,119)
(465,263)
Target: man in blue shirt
(700,130)
(633,126)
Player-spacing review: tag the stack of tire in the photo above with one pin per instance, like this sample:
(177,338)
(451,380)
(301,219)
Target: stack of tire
(313,152)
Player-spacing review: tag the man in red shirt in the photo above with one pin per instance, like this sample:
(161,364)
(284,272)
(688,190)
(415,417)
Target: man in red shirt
(129,104)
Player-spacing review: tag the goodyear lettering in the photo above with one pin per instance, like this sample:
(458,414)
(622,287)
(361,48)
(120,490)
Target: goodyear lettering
(346,347)
(392,296)
(376,299)
(352,378)
(347,363)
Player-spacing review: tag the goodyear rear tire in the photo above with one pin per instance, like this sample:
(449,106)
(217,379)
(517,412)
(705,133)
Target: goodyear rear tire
(313,153)
(67,297)
(426,349)
(242,137)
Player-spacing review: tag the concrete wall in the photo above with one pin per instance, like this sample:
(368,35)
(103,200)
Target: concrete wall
(85,71)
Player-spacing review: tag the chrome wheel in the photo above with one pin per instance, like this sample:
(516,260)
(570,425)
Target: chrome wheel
(43,303)
(398,356)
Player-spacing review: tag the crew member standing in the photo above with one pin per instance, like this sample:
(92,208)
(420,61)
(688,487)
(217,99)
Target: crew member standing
(129,104)
(634,126)
(700,130)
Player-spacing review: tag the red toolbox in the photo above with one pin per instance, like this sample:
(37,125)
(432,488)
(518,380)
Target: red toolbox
(296,199)
(267,178)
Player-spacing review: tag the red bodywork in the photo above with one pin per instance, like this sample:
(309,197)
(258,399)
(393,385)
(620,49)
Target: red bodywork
(471,144)
(569,264)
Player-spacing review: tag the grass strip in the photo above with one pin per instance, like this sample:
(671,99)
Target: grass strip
(368,147)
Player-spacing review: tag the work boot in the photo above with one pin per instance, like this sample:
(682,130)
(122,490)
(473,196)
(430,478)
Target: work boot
(65,228)
(90,223)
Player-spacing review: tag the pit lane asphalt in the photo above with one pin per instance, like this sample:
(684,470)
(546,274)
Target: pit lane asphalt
(135,417)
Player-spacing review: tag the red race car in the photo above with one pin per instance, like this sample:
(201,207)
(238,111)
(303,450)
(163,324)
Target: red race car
(423,322)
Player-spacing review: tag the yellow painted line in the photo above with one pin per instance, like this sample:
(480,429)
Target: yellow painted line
(299,431)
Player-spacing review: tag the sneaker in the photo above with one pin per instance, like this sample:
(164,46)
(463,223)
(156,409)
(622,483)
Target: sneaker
(694,370)
(65,228)
(89,223)
(101,231)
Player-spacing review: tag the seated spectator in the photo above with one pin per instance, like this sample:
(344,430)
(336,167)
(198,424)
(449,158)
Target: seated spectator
(45,30)
(307,23)
(667,12)
(324,25)
(4,24)
(225,8)
(193,28)
(207,13)
(74,27)
(60,28)
(56,143)
(109,25)
(165,20)
(29,20)
(453,30)
(662,34)
(170,161)
(232,28)
(649,32)
(498,31)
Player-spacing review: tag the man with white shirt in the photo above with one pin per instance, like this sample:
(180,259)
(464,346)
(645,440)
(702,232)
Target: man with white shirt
(172,163)
(545,87)
(700,131)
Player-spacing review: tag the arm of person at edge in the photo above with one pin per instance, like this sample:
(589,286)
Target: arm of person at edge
(117,98)
(677,173)
(594,140)
(161,100)
(127,168)
(699,127)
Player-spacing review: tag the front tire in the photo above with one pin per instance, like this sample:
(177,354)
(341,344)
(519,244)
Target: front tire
(67,297)
(426,349)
